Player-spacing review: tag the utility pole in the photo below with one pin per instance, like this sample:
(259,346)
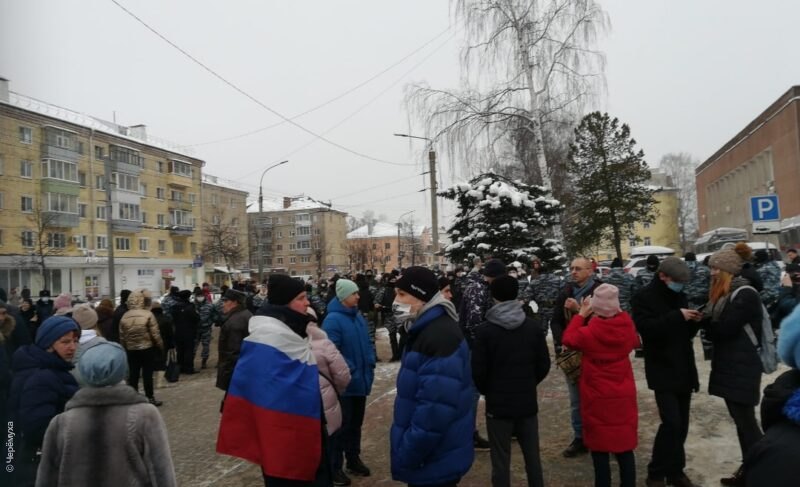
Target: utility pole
(434,207)
(259,227)
(112,289)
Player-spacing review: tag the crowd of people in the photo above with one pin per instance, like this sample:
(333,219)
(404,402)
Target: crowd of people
(296,362)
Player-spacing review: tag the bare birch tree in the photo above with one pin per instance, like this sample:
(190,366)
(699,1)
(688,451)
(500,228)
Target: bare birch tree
(525,64)
(47,241)
(680,168)
(221,239)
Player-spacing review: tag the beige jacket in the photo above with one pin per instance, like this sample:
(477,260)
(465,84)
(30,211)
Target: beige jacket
(332,367)
(138,329)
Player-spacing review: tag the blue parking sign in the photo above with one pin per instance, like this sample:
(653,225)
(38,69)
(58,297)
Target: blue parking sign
(765,208)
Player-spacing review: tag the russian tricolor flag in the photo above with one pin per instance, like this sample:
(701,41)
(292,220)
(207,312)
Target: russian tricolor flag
(272,413)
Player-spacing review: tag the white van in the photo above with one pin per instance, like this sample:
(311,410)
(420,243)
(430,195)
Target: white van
(639,257)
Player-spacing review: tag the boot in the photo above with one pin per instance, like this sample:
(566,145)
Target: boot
(575,448)
(737,479)
(204,363)
(681,481)
(340,478)
(152,400)
(357,467)
(480,443)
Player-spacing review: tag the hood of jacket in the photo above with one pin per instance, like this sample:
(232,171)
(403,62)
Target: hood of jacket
(33,357)
(116,395)
(781,400)
(315,333)
(434,308)
(508,315)
(439,300)
(136,299)
(336,306)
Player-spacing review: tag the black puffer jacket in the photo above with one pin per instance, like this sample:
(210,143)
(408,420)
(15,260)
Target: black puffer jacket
(509,359)
(773,460)
(666,338)
(735,366)
(231,335)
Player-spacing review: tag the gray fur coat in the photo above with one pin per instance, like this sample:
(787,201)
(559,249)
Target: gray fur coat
(106,436)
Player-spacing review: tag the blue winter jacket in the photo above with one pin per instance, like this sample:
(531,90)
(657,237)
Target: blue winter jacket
(347,330)
(40,388)
(431,434)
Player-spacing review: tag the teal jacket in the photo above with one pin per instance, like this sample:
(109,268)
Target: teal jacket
(347,330)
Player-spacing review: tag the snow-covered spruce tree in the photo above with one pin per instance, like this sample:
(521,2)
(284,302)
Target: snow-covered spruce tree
(610,190)
(504,219)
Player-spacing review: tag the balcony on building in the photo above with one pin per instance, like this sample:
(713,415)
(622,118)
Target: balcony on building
(181,230)
(125,159)
(182,205)
(59,143)
(58,219)
(126,226)
(180,174)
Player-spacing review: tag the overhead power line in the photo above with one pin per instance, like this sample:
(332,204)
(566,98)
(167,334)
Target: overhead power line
(332,100)
(253,98)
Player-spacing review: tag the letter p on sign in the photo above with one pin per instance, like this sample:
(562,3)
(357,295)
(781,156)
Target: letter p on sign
(765,208)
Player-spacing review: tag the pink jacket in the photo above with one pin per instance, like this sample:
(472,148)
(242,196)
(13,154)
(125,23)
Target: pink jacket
(331,366)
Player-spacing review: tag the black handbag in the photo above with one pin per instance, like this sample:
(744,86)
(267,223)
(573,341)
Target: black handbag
(173,371)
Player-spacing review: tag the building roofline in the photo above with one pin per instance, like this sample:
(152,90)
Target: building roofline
(790,96)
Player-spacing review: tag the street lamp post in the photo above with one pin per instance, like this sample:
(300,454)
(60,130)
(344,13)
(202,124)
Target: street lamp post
(432,187)
(399,255)
(260,220)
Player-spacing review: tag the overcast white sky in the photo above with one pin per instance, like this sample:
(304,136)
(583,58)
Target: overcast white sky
(686,75)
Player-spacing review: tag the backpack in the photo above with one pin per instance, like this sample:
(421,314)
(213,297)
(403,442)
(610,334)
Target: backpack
(766,350)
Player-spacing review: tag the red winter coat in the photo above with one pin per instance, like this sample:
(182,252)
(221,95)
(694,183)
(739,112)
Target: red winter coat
(607,388)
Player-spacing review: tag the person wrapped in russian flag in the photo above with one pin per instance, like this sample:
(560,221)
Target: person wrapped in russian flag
(273,415)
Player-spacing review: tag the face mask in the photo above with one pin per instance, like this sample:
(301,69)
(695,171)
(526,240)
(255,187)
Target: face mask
(402,312)
(460,274)
(691,264)
(45,299)
(513,274)
(676,286)
(200,299)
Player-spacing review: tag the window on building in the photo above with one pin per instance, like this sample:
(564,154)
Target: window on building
(647,241)
(101,212)
(144,245)
(302,231)
(2,201)
(278,247)
(279,260)
(83,209)
(62,138)
(27,238)
(192,198)
(25,169)
(374,246)
(193,248)
(26,135)
(178,246)
(181,218)
(316,231)
(126,182)
(2,165)
(292,246)
(123,154)
(56,169)
(160,220)
(61,203)
(214,199)
(81,242)
(646,226)
(102,242)
(305,259)
(292,233)
(161,193)
(26,204)
(632,241)
(233,202)
(122,243)
(278,220)
(1,237)
(293,260)
(316,245)
(100,183)
(215,219)
(144,217)
(98,152)
(160,166)
(142,188)
(162,246)
(387,246)
(280,234)
(181,168)
(129,211)
(305,244)
(176,195)
(57,240)
(82,179)
(235,222)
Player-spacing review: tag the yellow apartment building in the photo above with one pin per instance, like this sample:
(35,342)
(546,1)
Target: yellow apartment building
(65,175)
(225,252)
(298,236)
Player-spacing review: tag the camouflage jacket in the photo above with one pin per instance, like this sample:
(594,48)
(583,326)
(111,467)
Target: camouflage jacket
(697,288)
(167,304)
(543,290)
(624,283)
(770,274)
(258,300)
(207,312)
(474,304)
(319,305)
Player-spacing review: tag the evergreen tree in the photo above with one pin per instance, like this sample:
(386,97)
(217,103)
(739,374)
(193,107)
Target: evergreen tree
(504,219)
(610,192)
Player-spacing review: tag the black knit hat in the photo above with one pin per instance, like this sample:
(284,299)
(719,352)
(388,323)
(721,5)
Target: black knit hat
(504,288)
(443,282)
(616,263)
(494,268)
(418,282)
(652,262)
(689,257)
(281,289)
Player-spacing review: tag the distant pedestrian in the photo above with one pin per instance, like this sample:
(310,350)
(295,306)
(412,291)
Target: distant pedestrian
(791,255)
(347,329)
(187,324)
(432,428)
(667,326)
(699,281)
(62,304)
(509,360)
(140,337)
(607,387)
(105,316)
(623,281)
(118,314)
(233,331)
(44,307)
(206,313)
(735,367)
(86,317)
(644,276)
(122,438)
(770,274)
